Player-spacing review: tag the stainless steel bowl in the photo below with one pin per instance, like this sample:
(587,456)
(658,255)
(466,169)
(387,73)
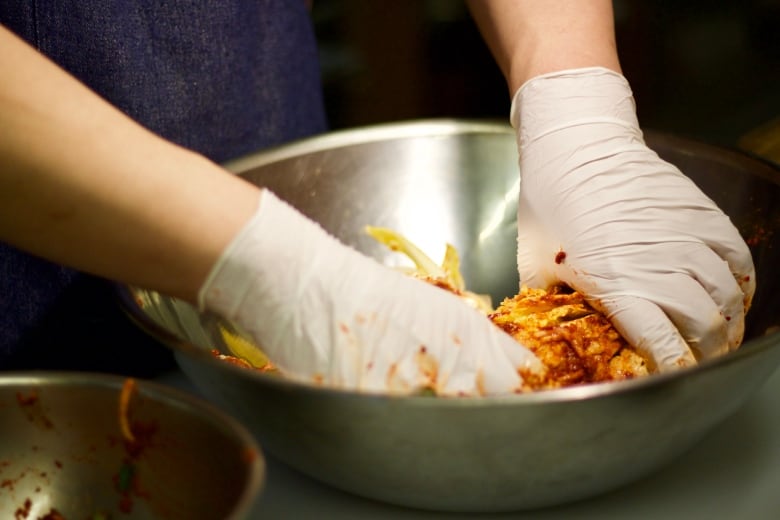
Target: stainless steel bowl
(63,451)
(456,181)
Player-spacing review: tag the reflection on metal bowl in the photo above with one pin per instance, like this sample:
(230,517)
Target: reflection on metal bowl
(92,446)
(457,181)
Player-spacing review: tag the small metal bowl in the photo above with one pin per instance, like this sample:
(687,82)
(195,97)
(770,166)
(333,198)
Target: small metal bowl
(70,447)
(457,181)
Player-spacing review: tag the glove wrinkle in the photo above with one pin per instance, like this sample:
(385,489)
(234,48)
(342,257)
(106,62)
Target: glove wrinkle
(641,239)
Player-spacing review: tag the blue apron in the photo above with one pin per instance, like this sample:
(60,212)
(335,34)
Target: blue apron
(224,78)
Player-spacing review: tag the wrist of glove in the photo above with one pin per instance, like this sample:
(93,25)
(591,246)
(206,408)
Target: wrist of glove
(324,313)
(601,212)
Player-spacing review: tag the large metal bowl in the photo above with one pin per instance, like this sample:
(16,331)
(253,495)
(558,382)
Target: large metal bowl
(456,181)
(63,452)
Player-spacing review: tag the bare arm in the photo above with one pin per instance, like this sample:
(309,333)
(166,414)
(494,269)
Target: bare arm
(83,185)
(533,37)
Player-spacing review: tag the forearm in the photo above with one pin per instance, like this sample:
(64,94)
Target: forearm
(533,37)
(83,185)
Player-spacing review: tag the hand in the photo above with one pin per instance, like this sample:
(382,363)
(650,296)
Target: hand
(323,312)
(603,213)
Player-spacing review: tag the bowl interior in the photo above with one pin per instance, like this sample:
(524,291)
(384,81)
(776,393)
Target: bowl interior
(64,451)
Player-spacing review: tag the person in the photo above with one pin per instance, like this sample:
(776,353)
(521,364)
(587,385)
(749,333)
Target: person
(111,133)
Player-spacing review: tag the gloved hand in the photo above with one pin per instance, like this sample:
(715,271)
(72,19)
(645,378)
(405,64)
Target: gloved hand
(603,213)
(325,313)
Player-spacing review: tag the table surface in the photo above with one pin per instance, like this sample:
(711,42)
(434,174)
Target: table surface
(734,472)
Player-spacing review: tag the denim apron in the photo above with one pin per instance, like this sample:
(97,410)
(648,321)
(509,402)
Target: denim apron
(225,78)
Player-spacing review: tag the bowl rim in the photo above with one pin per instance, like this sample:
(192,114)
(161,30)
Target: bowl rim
(169,396)
(367,134)
(442,127)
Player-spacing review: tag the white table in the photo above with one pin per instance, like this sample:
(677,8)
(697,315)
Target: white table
(734,473)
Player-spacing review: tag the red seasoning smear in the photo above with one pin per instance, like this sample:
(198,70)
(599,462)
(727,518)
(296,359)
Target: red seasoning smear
(758,235)
(23,511)
(27,400)
(136,436)
(31,405)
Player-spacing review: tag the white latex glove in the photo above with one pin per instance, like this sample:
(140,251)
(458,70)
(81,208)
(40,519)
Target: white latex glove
(603,213)
(325,313)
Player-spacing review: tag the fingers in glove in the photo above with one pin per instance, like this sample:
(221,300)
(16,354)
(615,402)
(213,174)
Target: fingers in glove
(678,308)
(714,275)
(733,249)
(470,357)
(699,320)
(645,326)
(701,298)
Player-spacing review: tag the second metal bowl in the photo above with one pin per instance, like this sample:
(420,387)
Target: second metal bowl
(86,446)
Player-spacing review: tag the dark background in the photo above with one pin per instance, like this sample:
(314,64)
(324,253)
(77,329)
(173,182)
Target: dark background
(709,70)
